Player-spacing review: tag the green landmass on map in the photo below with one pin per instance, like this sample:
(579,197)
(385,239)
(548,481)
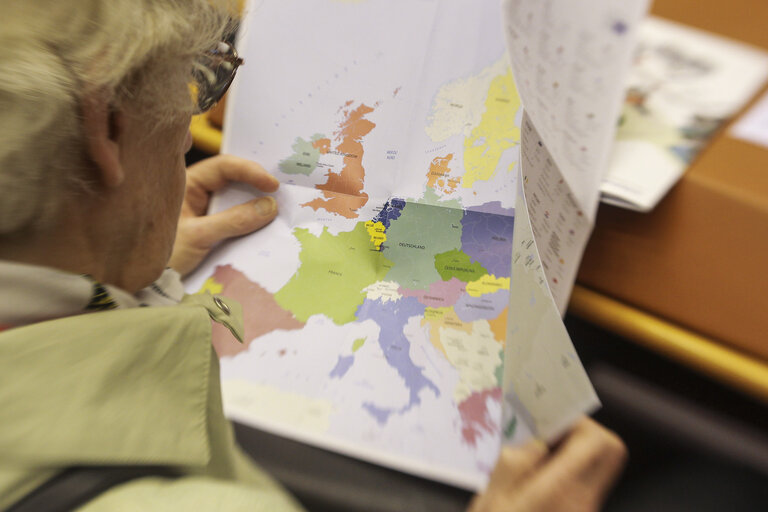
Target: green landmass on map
(333,272)
(456,263)
(499,373)
(305,156)
(413,240)
(359,342)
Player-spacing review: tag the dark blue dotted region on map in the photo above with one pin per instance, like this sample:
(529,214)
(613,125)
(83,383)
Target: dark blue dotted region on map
(390,211)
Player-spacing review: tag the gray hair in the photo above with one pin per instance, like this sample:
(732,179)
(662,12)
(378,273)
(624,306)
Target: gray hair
(55,52)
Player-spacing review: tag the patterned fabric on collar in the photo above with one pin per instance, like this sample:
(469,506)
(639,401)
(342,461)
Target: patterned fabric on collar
(101,300)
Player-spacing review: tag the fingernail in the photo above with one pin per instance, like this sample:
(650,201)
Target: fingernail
(266,205)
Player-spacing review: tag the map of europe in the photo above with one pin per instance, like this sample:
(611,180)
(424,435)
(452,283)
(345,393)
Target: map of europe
(375,318)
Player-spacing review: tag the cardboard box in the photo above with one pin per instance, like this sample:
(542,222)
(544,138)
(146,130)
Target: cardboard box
(700,259)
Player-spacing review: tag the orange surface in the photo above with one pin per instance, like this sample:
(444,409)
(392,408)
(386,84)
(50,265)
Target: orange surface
(700,258)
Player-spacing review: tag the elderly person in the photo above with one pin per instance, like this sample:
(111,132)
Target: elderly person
(95,103)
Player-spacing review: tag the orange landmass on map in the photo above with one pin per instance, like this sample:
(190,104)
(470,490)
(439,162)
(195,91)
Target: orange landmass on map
(322,145)
(261,313)
(499,327)
(438,175)
(343,192)
(345,105)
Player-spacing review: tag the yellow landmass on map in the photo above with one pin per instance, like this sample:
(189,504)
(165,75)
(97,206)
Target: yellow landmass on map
(376,232)
(212,286)
(487,284)
(496,132)
(250,399)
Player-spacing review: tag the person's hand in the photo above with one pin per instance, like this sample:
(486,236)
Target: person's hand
(575,476)
(198,232)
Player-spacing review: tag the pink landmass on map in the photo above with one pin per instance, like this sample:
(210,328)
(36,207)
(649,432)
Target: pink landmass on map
(261,313)
(441,294)
(474,415)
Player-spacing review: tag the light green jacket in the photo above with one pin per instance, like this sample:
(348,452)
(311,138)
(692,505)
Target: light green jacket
(133,386)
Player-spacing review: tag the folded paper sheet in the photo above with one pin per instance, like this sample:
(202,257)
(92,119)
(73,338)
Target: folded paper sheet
(568,60)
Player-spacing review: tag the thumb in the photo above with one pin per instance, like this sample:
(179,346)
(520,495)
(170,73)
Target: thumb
(235,221)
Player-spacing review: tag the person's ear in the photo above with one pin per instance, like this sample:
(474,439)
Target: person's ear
(102,128)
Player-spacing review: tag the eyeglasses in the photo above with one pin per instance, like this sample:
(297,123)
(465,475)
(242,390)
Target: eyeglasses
(212,75)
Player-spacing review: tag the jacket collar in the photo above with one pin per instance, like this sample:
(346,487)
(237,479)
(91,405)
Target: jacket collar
(32,293)
(125,386)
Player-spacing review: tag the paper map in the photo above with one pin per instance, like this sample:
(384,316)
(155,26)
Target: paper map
(378,303)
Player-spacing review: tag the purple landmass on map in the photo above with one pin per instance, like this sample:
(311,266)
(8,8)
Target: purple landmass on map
(391,316)
(381,415)
(342,366)
(485,307)
(487,239)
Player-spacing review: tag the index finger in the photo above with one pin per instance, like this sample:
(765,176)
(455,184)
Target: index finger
(216,172)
